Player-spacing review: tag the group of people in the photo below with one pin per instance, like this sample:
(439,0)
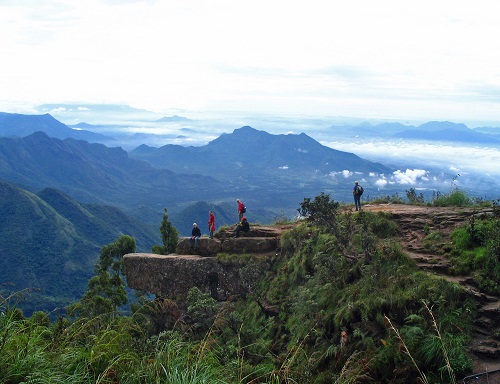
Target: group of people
(243,225)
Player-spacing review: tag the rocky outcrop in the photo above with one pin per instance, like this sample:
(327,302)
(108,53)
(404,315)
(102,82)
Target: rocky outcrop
(212,247)
(224,266)
(173,275)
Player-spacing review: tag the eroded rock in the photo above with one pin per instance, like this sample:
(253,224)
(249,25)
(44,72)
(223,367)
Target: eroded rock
(173,275)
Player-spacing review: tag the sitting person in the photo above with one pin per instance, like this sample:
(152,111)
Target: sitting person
(195,235)
(244,226)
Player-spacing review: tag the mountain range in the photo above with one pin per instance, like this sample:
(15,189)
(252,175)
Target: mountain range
(65,194)
(441,131)
(19,125)
(95,173)
(274,172)
(255,154)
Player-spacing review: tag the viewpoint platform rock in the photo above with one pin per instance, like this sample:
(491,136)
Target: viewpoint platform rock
(173,275)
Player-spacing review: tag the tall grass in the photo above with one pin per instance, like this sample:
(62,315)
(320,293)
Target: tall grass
(456,198)
(90,351)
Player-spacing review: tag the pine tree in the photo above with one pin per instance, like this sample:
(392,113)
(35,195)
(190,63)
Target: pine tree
(169,237)
(106,290)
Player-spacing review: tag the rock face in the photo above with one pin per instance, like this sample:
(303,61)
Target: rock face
(212,247)
(222,276)
(173,275)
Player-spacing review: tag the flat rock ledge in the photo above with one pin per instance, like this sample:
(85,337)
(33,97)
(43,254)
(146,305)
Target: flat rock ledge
(239,245)
(172,276)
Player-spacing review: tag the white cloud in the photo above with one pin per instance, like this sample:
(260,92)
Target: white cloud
(381,183)
(346,173)
(410,176)
(456,157)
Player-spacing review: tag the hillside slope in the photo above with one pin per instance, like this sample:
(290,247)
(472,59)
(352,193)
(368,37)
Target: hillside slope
(97,174)
(415,223)
(50,243)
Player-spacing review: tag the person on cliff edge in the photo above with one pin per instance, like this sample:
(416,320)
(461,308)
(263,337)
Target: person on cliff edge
(357,192)
(241,209)
(211,224)
(195,235)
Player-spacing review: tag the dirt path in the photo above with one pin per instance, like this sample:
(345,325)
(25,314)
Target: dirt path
(415,223)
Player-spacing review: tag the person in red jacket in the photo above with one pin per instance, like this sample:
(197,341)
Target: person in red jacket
(241,209)
(211,224)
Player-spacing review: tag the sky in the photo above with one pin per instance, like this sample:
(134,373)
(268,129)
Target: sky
(387,60)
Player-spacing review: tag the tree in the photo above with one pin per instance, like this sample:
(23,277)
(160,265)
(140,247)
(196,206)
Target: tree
(351,232)
(321,211)
(169,237)
(413,197)
(106,291)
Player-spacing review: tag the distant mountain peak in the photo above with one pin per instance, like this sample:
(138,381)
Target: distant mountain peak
(172,119)
(245,129)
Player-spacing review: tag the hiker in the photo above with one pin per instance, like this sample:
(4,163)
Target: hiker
(195,235)
(357,192)
(211,224)
(244,226)
(241,209)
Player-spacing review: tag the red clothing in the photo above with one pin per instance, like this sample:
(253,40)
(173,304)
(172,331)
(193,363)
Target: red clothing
(211,222)
(240,206)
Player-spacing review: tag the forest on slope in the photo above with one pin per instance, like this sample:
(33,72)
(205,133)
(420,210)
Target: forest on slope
(50,243)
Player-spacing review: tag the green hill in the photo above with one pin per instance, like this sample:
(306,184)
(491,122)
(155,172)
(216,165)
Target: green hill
(50,243)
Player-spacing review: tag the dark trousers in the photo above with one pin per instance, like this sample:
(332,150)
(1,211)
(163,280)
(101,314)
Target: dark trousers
(239,229)
(357,202)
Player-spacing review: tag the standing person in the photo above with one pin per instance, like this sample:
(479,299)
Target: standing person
(244,226)
(357,192)
(211,224)
(195,235)
(241,209)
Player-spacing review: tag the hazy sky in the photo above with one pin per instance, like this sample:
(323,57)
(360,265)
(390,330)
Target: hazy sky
(409,61)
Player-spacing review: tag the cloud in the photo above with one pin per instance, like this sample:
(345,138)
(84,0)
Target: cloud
(410,176)
(457,157)
(407,177)
(381,183)
(346,173)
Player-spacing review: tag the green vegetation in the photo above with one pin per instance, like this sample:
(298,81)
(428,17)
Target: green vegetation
(50,244)
(169,237)
(455,198)
(336,272)
(476,250)
(106,291)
